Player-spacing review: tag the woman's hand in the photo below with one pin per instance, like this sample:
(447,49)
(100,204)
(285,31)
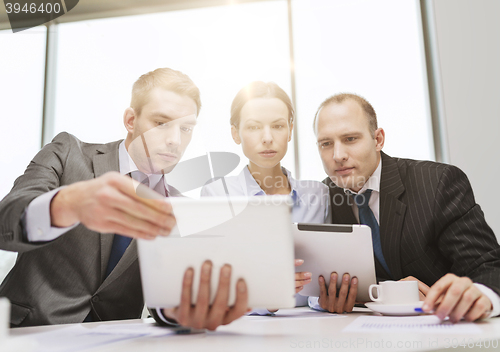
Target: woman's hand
(301,278)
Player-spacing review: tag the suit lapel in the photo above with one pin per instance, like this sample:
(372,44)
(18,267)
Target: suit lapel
(340,204)
(126,260)
(343,213)
(105,160)
(392,212)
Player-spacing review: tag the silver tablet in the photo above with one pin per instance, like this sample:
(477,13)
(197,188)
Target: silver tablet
(341,248)
(253,235)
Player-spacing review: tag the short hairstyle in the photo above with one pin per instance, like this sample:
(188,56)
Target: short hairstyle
(365,105)
(259,89)
(167,79)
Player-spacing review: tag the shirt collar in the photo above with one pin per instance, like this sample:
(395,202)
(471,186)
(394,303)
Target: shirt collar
(252,188)
(373,182)
(293,183)
(127,165)
(248,183)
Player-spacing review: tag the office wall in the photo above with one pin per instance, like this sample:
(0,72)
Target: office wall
(468,43)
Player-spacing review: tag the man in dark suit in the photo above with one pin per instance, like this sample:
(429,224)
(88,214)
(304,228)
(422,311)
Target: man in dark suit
(74,212)
(425,223)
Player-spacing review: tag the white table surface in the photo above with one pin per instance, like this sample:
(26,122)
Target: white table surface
(299,329)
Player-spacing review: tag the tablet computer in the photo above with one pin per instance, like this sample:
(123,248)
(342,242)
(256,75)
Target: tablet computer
(327,248)
(253,235)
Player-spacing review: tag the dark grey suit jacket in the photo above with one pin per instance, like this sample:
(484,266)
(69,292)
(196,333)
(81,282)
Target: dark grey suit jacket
(430,224)
(60,281)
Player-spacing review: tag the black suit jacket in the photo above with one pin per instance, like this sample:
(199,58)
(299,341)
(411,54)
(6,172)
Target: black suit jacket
(430,224)
(60,281)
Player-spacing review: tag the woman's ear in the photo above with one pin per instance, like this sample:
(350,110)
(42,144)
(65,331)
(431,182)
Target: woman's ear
(235,134)
(290,132)
(129,118)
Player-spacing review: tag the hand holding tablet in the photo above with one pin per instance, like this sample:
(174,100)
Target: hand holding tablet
(301,278)
(203,315)
(336,254)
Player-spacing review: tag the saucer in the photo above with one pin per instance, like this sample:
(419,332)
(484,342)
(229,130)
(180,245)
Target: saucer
(395,309)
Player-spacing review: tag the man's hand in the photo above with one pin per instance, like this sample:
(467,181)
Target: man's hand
(202,314)
(459,299)
(302,278)
(346,299)
(423,289)
(110,204)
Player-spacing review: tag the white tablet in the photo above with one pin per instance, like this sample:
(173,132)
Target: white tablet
(335,248)
(253,235)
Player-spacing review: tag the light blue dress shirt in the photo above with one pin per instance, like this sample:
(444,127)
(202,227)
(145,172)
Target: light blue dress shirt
(311,200)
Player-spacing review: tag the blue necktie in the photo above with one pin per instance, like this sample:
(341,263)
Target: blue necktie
(120,243)
(366,217)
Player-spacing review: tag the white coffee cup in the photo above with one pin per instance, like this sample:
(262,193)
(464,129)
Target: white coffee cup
(395,292)
(4,318)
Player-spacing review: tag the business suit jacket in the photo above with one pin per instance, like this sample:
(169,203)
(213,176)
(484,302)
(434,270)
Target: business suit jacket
(60,281)
(430,224)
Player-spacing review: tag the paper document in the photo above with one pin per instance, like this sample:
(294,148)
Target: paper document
(294,314)
(427,323)
(81,337)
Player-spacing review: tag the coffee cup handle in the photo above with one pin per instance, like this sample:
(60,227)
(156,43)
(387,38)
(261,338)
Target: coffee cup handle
(370,292)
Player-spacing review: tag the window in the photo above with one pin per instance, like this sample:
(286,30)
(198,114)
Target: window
(371,48)
(22,65)
(220,48)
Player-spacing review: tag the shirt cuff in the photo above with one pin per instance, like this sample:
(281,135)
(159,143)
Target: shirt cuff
(37,220)
(164,319)
(314,304)
(494,298)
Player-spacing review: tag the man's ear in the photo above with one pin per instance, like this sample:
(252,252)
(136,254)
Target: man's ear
(235,134)
(129,119)
(379,139)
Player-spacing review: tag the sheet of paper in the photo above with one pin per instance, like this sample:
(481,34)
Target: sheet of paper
(426,323)
(82,337)
(295,313)
(133,329)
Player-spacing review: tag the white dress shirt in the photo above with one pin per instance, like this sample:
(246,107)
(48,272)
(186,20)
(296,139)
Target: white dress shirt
(373,183)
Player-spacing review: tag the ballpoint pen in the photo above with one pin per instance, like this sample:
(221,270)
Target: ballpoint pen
(432,311)
(420,310)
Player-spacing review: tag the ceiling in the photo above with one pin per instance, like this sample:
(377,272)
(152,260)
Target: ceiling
(92,9)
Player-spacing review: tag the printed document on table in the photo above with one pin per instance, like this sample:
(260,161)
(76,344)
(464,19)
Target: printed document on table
(426,323)
(82,337)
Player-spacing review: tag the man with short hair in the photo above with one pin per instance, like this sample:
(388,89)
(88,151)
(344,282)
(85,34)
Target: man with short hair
(425,222)
(74,212)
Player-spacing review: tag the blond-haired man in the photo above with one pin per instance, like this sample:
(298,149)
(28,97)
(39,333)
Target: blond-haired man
(74,212)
